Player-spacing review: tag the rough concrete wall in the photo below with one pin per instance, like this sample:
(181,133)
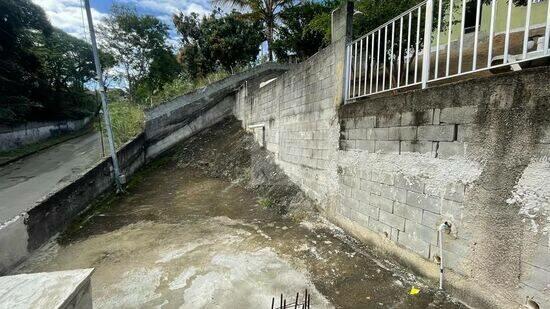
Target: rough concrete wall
(472,153)
(32,132)
(27,232)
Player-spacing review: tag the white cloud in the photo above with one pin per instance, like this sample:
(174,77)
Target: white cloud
(69,16)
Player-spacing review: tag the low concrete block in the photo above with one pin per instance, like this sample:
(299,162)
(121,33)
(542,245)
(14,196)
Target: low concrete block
(423,201)
(392,220)
(60,289)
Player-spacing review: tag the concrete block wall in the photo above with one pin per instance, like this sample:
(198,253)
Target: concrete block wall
(297,114)
(473,153)
(391,169)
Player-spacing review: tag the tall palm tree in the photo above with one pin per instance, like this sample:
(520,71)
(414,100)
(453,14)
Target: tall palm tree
(266,11)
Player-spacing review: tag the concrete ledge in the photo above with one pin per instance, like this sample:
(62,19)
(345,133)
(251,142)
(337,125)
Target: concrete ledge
(60,289)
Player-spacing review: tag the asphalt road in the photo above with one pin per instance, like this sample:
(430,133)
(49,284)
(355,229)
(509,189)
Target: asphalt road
(25,182)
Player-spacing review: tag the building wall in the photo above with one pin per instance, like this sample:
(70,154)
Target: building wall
(390,170)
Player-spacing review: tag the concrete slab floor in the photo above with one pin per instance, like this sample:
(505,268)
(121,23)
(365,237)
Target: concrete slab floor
(179,239)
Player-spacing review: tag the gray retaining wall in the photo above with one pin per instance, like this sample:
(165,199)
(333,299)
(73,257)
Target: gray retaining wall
(33,132)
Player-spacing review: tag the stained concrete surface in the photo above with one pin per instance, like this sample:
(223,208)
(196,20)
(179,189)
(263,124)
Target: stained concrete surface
(181,239)
(25,182)
(61,289)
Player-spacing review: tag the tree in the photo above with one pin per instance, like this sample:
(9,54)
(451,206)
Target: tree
(265,11)
(134,41)
(67,61)
(296,36)
(217,41)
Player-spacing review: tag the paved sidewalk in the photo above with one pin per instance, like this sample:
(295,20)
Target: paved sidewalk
(25,182)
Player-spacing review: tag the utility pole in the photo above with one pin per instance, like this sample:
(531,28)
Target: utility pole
(106,116)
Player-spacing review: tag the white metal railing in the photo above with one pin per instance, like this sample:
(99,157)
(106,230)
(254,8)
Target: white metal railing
(394,56)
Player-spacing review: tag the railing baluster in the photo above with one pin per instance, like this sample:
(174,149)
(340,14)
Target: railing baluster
(463,24)
(360,65)
(476,34)
(408,48)
(371,61)
(366,63)
(399,57)
(451,11)
(437,38)
(354,67)
(348,71)
(491,33)
(427,43)
(507,34)
(378,59)
(418,19)
(526,30)
(391,52)
(385,56)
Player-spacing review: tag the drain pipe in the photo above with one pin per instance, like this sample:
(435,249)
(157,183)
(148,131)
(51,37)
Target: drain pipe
(445,226)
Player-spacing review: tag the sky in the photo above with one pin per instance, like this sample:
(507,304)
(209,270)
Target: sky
(68,14)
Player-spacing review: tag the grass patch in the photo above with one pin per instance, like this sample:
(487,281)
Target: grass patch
(265,203)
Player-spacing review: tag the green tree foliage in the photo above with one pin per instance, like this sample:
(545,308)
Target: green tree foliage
(297,38)
(42,69)
(138,45)
(216,42)
(265,11)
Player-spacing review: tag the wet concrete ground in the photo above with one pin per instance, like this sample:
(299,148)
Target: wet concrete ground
(179,239)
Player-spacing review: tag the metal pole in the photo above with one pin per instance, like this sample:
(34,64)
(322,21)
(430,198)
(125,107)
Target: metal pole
(105,107)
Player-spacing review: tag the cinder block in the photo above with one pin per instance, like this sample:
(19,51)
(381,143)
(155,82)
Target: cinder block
(417,118)
(422,232)
(374,187)
(461,114)
(356,134)
(414,244)
(380,227)
(436,116)
(431,219)
(387,146)
(392,120)
(423,201)
(417,146)
(369,210)
(450,149)
(347,144)
(535,277)
(361,195)
(394,193)
(365,145)
(436,133)
(360,218)
(392,220)
(408,212)
(381,202)
(402,133)
(410,183)
(452,260)
(365,122)
(377,134)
